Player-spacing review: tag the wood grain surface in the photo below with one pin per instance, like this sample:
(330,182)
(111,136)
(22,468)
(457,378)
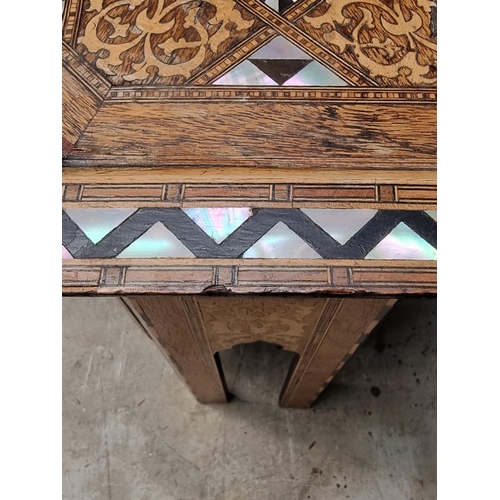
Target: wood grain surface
(323,333)
(144,127)
(280,320)
(235,177)
(83,91)
(232,276)
(174,325)
(79,106)
(336,337)
(291,135)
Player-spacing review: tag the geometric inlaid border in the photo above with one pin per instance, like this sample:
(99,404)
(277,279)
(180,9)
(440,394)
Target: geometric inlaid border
(290,25)
(288,30)
(246,235)
(166,276)
(84,73)
(249,45)
(71,20)
(258,195)
(180,93)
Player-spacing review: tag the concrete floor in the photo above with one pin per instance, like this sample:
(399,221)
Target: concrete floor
(132,430)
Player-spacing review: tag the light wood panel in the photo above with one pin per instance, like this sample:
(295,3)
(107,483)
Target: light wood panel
(323,333)
(228,174)
(174,324)
(334,340)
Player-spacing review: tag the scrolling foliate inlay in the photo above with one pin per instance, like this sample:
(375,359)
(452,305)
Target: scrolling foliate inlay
(391,40)
(157,41)
(281,321)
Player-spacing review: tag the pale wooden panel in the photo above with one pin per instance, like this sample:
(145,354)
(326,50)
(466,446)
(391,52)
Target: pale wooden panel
(174,324)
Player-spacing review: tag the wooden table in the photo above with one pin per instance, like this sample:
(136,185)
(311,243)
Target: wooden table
(241,170)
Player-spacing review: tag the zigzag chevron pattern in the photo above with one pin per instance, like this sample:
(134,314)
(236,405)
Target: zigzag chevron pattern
(247,234)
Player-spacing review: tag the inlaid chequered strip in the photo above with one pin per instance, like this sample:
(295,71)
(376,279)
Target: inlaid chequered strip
(84,73)
(71,20)
(262,195)
(346,94)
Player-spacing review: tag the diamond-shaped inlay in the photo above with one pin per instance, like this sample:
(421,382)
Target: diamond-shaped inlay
(390,41)
(178,42)
(281,242)
(157,241)
(403,243)
(218,223)
(280,62)
(96,223)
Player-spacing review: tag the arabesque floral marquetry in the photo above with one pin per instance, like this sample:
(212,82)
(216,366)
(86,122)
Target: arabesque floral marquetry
(391,40)
(165,42)
(391,43)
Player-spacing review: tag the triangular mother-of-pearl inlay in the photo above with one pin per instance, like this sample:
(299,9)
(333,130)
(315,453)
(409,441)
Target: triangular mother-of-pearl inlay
(65,253)
(403,243)
(96,223)
(340,224)
(157,241)
(280,62)
(280,71)
(280,242)
(433,214)
(245,74)
(314,74)
(218,223)
(280,48)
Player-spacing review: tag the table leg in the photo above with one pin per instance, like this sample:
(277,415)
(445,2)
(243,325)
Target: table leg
(340,331)
(174,323)
(323,332)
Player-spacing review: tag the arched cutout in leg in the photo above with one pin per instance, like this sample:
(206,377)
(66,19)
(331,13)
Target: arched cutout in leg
(255,371)
(323,332)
